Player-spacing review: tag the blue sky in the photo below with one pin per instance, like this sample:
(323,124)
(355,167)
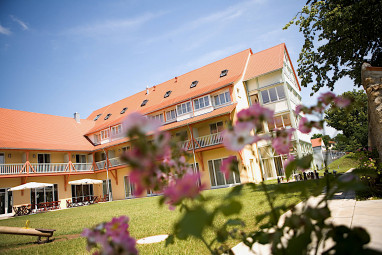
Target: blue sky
(61,57)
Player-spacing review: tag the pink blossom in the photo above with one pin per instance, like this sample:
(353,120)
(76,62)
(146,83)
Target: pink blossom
(185,187)
(239,137)
(283,141)
(227,165)
(255,114)
(341,101)
(117,226)
(136,121)
(304,126)
(300,108)
(326,98)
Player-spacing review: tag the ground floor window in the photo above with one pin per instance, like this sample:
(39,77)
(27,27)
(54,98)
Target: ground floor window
(217,177)
(43,195)
(82,191)
(104,189)
(268,170)
(6,201)
(129,187)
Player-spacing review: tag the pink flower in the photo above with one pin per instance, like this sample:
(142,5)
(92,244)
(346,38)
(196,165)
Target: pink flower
(300,108)
(304,126)
(326,98)
(117,226)
(255,114)
(283,141)
(239,137)
(341,101)
(138,122)
(227,166)
(184,187)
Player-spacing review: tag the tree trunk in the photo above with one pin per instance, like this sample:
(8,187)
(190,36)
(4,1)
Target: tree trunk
(372,83)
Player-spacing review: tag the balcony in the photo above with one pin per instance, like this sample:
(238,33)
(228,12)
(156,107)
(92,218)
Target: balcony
(43,168)
(203,141)
(113,163)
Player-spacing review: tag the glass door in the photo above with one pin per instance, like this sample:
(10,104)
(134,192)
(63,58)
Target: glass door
(104,187)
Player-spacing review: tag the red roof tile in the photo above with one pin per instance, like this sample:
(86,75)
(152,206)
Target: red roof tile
(316,142)
(29,130)
(208,78)
(267,61)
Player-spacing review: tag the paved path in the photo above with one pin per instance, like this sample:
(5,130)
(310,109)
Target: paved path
(345,210)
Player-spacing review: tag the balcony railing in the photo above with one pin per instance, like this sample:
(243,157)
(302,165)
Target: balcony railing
(203,141)
(41,168)
(6,169)
(113,163)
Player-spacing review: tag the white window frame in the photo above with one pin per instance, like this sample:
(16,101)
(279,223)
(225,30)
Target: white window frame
(269,96)
(157,117)
(187,106)
(215,179)
(171,111)
(226,101)
(105,134)
(282,120)
(202,100)
(116,130)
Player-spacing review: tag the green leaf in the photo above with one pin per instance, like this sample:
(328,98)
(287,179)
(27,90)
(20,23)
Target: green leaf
(233,207)
(169,240)
(193,222)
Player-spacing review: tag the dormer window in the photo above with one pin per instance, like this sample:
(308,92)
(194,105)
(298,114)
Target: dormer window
(97,117)
(107,116)
(123,110)
(168,93)
(144,102)
(223,73)
(193,84)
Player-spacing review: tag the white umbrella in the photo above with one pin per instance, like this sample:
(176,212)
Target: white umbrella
(85,181)
(31,185)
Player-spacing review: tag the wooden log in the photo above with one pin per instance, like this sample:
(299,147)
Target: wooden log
(26,231)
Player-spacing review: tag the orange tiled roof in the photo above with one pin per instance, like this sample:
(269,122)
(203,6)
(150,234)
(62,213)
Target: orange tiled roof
(316,142)
(267,61)
(208,78)
(29,130)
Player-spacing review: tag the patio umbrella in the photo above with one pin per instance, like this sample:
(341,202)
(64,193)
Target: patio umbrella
(85,181)
(31,185)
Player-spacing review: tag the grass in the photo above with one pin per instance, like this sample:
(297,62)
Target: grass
(147,218)
(342,164)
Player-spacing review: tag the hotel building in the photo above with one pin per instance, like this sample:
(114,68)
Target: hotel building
(197,105)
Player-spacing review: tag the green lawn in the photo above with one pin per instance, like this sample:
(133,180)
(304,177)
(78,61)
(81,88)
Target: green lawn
(146,219)
(342,164)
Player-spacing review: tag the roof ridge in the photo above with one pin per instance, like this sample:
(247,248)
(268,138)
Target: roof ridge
(38,113)
(269,48)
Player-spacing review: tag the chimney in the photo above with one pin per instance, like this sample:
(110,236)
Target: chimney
(147,90)
(154,88)
(176,79)
(77,117)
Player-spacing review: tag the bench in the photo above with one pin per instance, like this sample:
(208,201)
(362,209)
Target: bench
(29,232)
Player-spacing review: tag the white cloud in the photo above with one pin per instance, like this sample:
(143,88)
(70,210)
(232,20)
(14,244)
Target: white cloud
(222,16)
(20,22)
(111,26)
(4,31)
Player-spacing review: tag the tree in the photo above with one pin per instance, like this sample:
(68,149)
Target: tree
(340,35)
(352,122)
